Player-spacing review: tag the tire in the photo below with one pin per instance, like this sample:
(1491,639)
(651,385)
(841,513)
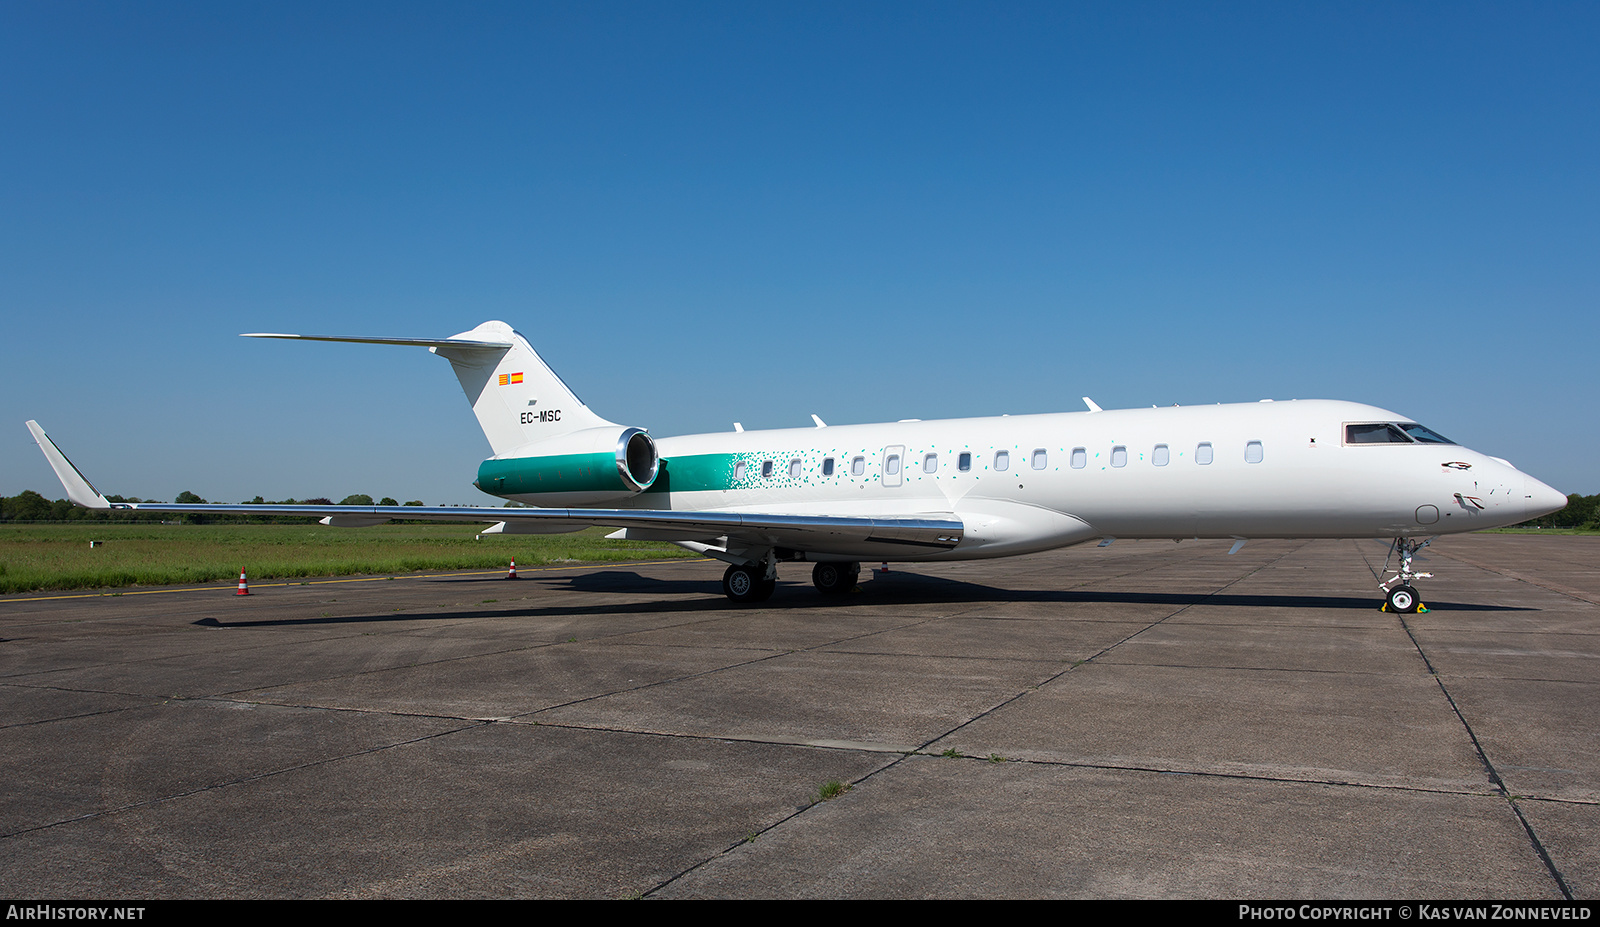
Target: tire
(1403,599)
(835,578)
(744,585)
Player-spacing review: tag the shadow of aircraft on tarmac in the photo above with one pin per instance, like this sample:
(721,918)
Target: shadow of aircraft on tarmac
(669,596)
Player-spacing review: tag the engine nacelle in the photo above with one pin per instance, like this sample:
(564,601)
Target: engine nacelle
(588,467)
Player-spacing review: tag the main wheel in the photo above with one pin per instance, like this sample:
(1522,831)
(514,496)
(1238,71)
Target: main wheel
(1403,599)
(740,583)
(745,584)
(835,578)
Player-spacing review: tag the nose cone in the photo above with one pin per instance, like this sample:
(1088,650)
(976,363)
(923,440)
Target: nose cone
(1541,499)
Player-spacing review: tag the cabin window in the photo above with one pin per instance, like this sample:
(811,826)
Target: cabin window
(1002,460)
(1160,455)
(766,469)
(891,464)
(827,466)
(858,466)
(1080,458)
(1040,458)
(738,471)
(930,463)
(794,469)
(1252,452)
(1202,454)
(1119,456)
(964,462)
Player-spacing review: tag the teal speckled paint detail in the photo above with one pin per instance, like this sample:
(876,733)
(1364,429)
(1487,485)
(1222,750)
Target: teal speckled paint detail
(710,472)
(687,473)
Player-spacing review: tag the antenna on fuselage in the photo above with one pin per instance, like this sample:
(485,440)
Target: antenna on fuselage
(1090,403)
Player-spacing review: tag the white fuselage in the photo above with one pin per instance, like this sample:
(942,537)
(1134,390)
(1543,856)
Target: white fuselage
(1275,470)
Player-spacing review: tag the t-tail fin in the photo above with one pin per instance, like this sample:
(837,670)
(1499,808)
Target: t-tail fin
(518,399)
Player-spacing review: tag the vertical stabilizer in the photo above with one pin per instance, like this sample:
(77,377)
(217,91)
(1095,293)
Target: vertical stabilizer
(518,399)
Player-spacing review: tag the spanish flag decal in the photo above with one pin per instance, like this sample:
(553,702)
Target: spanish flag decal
(509,378)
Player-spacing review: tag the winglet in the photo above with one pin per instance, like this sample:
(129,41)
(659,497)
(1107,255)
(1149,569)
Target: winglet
(78,487)
(1090,403)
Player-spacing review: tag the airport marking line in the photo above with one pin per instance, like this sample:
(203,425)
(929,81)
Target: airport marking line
(231,585)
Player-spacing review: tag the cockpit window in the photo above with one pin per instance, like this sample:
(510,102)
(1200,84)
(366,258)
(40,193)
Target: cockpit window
(1391,433)
(1374,433)
(1424,435)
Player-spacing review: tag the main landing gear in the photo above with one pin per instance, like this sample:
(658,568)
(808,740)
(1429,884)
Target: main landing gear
(835,578)
(1399,595)
(749,583)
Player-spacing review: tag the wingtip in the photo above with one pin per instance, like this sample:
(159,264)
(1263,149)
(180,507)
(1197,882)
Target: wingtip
(78,487)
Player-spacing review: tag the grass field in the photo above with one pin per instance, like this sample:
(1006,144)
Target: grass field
(1563,531)
(34,557)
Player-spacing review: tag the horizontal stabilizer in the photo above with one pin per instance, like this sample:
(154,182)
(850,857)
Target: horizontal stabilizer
(455,343)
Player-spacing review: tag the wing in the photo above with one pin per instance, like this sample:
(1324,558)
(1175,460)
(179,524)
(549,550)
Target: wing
(887,537)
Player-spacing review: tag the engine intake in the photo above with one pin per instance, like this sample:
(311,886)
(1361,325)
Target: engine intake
(637,460)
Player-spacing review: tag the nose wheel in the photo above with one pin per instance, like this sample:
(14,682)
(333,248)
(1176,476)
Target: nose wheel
(1399,594)
(1403,599)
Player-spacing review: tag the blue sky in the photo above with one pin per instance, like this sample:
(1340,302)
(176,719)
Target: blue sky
(702,213)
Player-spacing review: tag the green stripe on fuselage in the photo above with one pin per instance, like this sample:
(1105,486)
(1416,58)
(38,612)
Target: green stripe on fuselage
(598,473)
(696,473)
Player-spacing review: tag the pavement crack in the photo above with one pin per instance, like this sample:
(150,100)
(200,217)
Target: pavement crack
(1488,766)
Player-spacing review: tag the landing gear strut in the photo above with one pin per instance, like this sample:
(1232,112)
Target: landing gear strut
(835,578)
(1399,595)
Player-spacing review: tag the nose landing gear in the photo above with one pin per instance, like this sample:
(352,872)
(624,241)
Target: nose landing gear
(1399,595)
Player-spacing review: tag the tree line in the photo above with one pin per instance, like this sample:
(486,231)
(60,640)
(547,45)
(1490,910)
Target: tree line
(30,506)
(1581,512)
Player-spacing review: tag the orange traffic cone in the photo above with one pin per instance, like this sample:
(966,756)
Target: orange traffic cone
(244,587)
(513,573)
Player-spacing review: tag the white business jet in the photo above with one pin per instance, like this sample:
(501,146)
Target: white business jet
(959,489)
